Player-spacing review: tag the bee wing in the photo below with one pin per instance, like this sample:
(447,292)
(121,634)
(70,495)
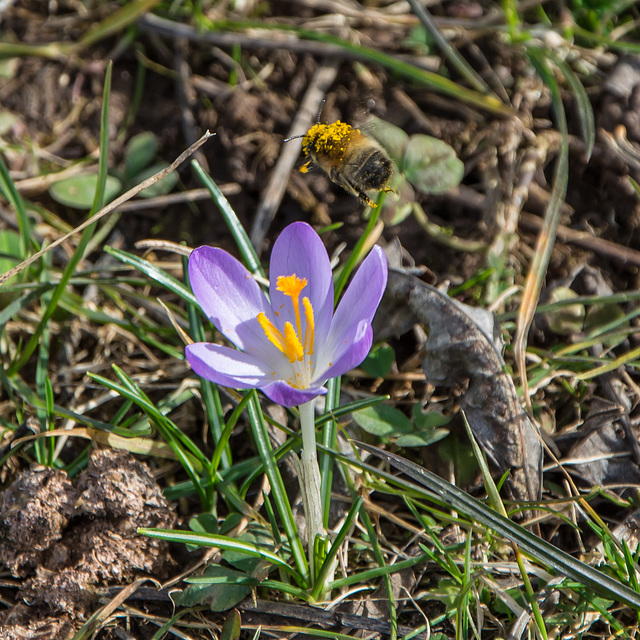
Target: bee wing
(392,139)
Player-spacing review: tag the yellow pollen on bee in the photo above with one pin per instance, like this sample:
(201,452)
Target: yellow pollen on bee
(329,139)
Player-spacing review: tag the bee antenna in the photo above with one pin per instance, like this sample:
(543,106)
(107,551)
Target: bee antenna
(302,135)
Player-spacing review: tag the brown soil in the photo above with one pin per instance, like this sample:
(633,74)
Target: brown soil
(65,541)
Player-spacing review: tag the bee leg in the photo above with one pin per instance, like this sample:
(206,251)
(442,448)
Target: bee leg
(365,199)
(362,196)
(305,167)
(349,187)
(340,180)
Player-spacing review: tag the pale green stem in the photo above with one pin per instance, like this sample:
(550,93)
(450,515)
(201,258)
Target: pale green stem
(310,480)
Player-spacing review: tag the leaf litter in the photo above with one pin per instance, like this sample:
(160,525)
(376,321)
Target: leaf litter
(51,523)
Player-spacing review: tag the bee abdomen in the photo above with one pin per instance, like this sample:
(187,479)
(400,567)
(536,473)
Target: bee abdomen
(374,172)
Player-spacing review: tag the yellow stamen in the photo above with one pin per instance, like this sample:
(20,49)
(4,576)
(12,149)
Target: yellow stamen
(271,331)
(288,341)
(293,347)
(292,286)
(311,327)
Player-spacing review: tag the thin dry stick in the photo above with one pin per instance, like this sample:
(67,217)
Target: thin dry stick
(586,240)
(508,211)
(193,195)
(187,97)
(538,198)
(110,207)
(272,195)
(151,23)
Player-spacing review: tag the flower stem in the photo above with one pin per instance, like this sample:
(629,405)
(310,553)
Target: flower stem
(310,481)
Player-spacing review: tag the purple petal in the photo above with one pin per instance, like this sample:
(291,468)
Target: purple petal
(359,302)
(350,353)
(231,299)
(284,394)
(226,366)
(300,251)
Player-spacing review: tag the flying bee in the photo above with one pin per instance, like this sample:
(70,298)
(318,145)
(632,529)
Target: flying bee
(350,158)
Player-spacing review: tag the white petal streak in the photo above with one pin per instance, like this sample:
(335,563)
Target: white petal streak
(228,367)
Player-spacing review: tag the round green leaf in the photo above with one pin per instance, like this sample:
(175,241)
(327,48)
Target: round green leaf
(422,438)
(79,191)
(383,420)
(242,561)
(160,188)
(398,204)
(232,626)
(220,595)
(428,419)
(431,165)
(568,319)
(139,153)
(379,362)
(606,316)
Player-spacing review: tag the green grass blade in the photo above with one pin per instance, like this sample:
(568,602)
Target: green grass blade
(134,393)
(116,21)
(86,234)
(327,566)
(9,191)
(219,542)
(537,548)
(356,255)
(450,53)
(377,551)
(328,440)
(585,110)
(43,388)
(247,252)
(373,574)
(547,236)
(189,455)
(261,437)
(496,503)
(22,302)
(157,275)
(399,67)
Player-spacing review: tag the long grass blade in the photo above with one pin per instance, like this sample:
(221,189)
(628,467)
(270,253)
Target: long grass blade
(537,548)
(220,542)
(86,235)
(547,236)
(278,491)
(585,110)
(247,252)
(448,51)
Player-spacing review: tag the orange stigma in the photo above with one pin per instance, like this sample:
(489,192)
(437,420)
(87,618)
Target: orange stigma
(293,343)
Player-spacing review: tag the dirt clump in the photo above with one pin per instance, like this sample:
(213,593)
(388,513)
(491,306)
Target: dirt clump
(64,539)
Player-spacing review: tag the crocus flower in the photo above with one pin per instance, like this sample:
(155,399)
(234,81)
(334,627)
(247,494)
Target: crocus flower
(290,345)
